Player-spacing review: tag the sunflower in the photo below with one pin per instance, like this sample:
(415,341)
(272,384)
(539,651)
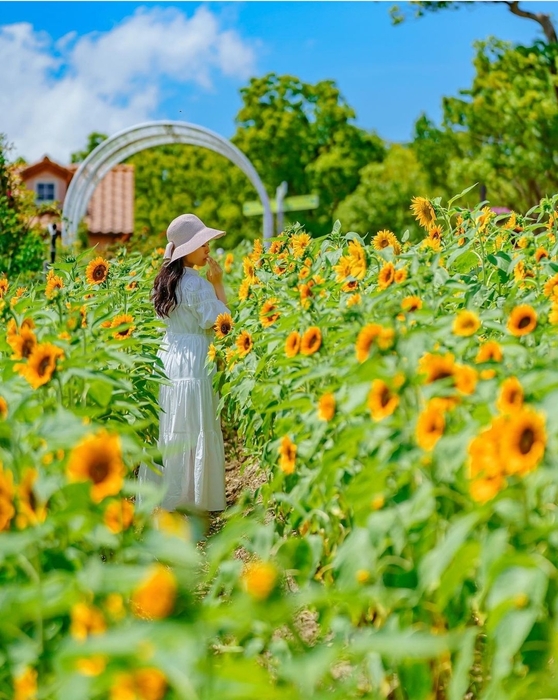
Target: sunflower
(385,239)
(412,303)
(466,323)
(365,339)
(119,515)
(244,343)
(269,313)
(54,282)
(350,286)
(4,284)
(30,511)
(386,276)
(523,442)
(357,258)
(553,315)
(400,275)
(343,269)
(41,364)
(386,338)
(311,341)
(22,343)
(223,325)
(86,620)
(305,295)
(292,344)
(3,408)
(129,287)
(511,396)
(465,379)
(485,217)
(244,289)
(304,273)
(381,401)
(437,367)
(489,351)
(97,271)
(20,291)
(7,510)
(258,579)
(98,458)
(430,427)
(229,260)
(125,320)
(249,269)
(287,455)
(551,287)
(326,407)
(511,223)
(143,684)
(257,251)
(275,247)
(354,299)
(522,320)
(155,596)
(299,242)
(423,211)
(541,253)
(485,489)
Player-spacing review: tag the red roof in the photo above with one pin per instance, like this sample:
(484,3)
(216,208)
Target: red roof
(111,208)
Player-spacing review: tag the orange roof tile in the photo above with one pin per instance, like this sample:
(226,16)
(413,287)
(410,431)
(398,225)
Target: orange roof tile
(111,208)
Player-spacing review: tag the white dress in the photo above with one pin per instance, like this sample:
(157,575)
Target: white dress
(190,437)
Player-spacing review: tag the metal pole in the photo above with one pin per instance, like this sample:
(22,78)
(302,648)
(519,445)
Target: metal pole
(280,193)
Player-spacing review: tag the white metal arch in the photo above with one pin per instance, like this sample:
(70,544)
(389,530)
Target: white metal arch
(137,138)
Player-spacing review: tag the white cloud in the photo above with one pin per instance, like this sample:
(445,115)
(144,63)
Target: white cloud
(54,94)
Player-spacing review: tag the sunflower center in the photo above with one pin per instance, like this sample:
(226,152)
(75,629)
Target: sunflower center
(524,321)
(43,364)
(27,347)
(312,341)
(384,397)
(99,272)
(526,441)
(225,328)
(98,471)
(441,374)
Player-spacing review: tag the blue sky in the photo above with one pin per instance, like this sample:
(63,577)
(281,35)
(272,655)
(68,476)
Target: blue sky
(69,68)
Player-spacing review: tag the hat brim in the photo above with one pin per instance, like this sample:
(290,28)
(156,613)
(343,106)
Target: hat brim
(204,236)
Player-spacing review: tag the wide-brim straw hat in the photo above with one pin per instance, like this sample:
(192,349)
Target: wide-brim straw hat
(187,233)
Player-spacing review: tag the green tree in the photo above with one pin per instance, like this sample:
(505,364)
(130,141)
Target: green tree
(383,197)
(22,249)
(503,131)
(171,180)
(302,133)
(93,140)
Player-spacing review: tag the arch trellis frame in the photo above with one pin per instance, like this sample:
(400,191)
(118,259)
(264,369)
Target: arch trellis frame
(137,138)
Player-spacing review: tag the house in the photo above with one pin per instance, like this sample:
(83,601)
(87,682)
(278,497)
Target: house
(110,213)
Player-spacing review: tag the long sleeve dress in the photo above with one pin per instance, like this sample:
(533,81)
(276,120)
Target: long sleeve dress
(190,437)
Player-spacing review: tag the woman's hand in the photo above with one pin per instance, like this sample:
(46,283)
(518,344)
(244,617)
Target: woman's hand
(214,273)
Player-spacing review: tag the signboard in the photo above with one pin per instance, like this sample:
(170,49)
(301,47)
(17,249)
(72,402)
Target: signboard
(299,203)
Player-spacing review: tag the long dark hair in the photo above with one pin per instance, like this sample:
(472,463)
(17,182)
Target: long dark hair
(163,294)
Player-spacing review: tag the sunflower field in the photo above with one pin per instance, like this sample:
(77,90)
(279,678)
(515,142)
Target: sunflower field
(400,401)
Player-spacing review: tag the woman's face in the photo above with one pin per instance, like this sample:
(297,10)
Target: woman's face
(197,257)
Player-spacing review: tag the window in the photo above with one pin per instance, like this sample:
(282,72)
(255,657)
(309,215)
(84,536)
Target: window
(45,192)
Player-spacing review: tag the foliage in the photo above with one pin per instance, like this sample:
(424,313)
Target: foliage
(93,140)
(505,128)
(21,247)
(170,180)
(381,200)
(378,559)
(427,568)
(316,148)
